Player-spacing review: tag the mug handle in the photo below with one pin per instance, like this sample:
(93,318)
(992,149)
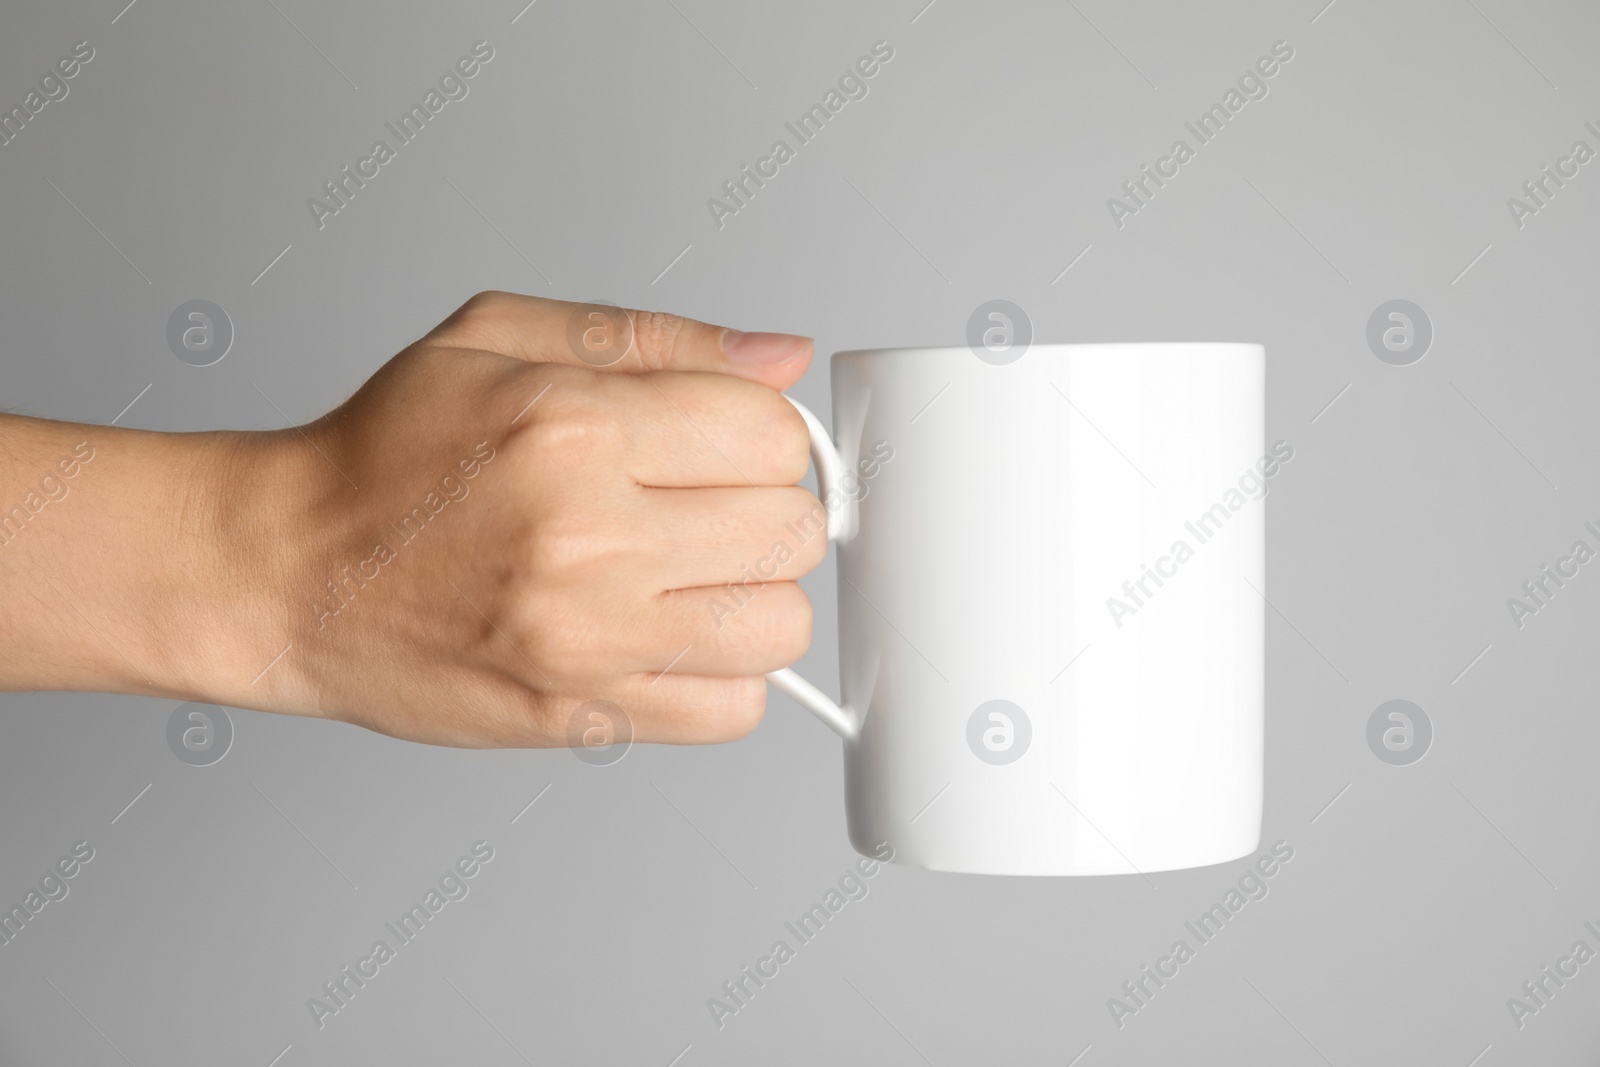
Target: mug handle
(831,471)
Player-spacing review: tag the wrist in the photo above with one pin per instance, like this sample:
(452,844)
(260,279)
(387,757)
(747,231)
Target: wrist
(256,499)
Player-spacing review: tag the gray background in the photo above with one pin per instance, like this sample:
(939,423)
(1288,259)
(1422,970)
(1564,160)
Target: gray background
(978,167)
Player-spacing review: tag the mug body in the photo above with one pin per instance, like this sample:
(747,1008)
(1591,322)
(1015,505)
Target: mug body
(1051,605)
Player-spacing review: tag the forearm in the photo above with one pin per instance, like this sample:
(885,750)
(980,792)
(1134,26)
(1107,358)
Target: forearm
(127,562)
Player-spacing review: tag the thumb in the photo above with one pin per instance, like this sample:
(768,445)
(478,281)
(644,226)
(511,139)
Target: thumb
(620,340)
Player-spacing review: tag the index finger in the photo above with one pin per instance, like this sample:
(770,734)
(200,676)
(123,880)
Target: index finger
(608,338)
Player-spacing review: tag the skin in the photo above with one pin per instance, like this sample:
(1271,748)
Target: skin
(581,522)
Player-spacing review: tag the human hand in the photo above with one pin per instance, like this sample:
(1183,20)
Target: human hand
(492,532)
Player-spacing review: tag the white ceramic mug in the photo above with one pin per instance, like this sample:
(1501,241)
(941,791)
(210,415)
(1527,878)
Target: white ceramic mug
(1051,601)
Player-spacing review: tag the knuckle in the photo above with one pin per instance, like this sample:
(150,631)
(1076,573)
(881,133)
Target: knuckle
(783,437)
(568,548)
(739,709)
(789,440)
(526,635)
(804,521)
(564,432)
(534,719)
(555,653)
(472,320)
(525,650)
(656,335)
(791,629)
(755,424)
(571,419)
(775,630)
(486,301)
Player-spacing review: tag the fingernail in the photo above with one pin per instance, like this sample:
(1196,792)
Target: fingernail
(762,348)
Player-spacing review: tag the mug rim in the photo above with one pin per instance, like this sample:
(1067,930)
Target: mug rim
(1061,349)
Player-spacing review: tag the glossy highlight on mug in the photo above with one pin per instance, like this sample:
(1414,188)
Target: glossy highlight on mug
(995,720)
